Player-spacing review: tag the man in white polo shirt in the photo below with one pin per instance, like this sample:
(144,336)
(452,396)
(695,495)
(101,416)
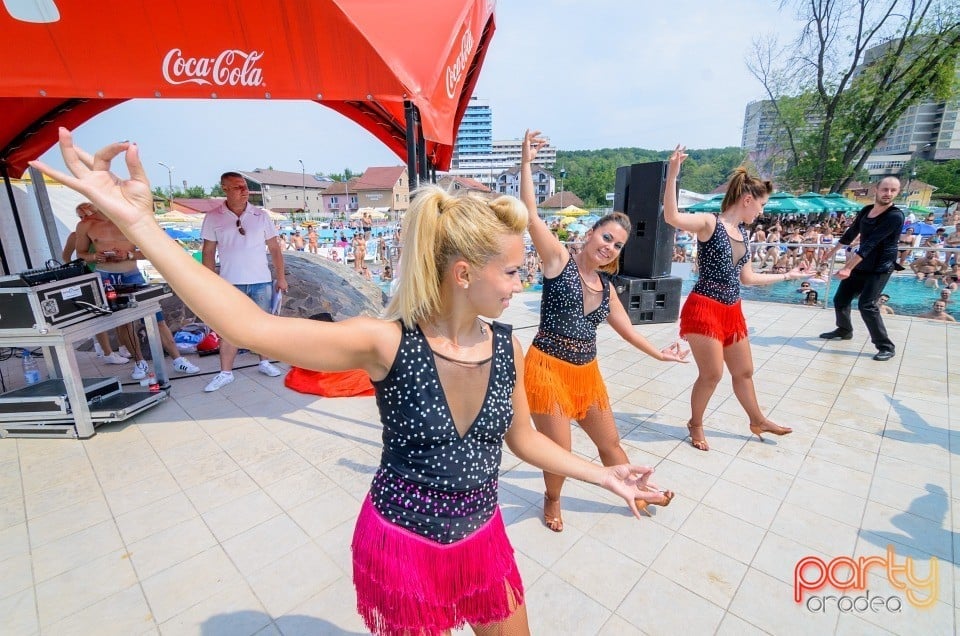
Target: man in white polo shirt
(239,231)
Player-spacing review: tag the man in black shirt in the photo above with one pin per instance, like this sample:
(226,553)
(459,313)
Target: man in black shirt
(868,268)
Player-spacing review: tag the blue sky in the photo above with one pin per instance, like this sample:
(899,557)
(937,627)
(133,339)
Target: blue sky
(588,73)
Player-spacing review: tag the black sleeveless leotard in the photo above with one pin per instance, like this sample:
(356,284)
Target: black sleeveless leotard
(565,332)
(431,481)
(719,276)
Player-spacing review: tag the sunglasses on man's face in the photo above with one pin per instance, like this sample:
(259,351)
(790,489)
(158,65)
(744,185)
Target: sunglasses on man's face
(240,229)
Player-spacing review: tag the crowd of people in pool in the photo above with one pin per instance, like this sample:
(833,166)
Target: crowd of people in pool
(778,245)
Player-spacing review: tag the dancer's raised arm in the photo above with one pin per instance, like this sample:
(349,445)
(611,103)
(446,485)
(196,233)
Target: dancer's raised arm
(356,343)
(553,255)
(700,224)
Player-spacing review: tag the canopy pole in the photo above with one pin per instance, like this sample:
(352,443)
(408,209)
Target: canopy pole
(3,254)
(16,220)
(413,133)
(422,157)
(46,213)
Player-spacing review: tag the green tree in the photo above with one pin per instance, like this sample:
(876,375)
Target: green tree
(945,176)
(195,192)
(591,174)
(854,69)
(216,190)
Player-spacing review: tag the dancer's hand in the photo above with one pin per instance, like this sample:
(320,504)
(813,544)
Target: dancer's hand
(674,353)
(532,143)
(678,156)
(628,481)
(125,202)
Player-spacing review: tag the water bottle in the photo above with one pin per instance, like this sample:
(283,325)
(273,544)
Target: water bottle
(110,293)
(31,371)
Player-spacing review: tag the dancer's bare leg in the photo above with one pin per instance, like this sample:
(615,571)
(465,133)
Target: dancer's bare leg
(739,359)
(557,428)
(708,354)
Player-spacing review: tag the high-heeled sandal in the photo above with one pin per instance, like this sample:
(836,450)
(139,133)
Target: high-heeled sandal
(666,496)
(769,427)
(555,523)
(699,444)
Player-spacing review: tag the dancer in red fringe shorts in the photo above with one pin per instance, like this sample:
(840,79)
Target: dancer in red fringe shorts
(711,319)
(430,553)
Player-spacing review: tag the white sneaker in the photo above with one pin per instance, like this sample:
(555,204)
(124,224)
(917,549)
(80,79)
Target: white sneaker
(124,352)
(219,381)
(268,369)
(140,370)
(115,358)
(97,348)
(183,365)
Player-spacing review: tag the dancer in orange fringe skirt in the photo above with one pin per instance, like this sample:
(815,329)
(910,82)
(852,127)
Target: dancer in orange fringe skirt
(562,376)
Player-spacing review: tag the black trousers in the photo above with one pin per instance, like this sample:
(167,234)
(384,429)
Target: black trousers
(868,286)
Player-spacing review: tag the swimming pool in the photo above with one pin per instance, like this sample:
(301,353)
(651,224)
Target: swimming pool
(908,296)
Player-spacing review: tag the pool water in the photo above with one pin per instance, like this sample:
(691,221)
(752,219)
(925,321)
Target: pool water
(908,296)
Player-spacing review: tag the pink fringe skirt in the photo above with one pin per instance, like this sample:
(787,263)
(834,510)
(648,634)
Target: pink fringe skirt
(708,317)
(407,584)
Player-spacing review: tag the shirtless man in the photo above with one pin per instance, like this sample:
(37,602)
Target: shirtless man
(105,351)
(758,236)
(938,312)
(885,309)
(366,222)
(312,239)
(297,240)
(927,266)
(101,242)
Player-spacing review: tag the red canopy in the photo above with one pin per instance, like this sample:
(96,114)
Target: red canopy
(65,61)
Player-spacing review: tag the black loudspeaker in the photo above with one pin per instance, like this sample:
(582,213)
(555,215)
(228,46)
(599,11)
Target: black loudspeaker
(639,194)
(649,300)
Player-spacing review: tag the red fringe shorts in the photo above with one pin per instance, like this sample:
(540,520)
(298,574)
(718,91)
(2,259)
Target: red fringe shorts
(708,317)
(407,584)
(551,383)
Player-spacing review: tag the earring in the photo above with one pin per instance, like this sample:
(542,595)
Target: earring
(465,285)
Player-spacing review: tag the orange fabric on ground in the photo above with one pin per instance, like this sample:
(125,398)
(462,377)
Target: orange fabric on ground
(329,384)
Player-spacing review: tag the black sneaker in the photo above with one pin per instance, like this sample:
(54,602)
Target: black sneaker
(836,334)
(884,355)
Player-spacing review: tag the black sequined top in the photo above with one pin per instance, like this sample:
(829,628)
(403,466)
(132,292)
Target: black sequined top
(719,275)
(565,332)
(431,481)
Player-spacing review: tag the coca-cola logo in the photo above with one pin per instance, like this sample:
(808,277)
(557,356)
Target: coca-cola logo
(232,67)
(455,71)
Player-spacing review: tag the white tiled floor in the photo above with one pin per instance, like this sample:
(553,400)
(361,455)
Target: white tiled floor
(231,513)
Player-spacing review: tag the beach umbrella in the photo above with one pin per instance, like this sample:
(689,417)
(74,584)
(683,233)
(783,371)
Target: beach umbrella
(179,217)
(179,235)
(786,203)
(577,227)
(841,203)
(572,210)
(816,199)
(710,205)
(590,219)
